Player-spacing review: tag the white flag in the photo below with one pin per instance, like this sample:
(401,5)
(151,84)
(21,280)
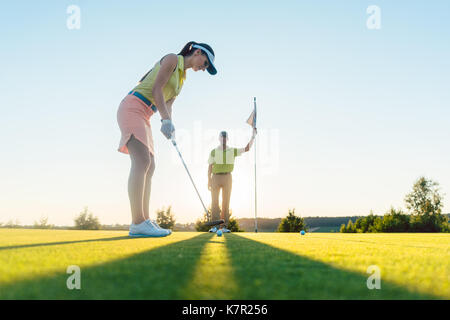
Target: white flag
(252,119)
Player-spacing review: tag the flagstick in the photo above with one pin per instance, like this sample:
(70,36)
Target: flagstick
(256,221)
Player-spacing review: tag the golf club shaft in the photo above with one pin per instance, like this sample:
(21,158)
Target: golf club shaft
(216,222)
(187,170)
(209,222)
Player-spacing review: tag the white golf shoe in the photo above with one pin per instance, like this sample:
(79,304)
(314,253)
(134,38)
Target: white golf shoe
(213,229)
(146,229)
(153,222)
(225,230)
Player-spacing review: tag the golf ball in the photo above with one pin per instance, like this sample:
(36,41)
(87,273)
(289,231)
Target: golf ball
(219,233)
(302,232)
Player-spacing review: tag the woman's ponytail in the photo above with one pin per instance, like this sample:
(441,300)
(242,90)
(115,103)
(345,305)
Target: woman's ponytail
(187,49)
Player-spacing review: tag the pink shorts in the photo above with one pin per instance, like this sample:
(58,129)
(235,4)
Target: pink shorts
(133,117)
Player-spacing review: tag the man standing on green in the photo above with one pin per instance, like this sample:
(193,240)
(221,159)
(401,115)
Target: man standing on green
(221,164)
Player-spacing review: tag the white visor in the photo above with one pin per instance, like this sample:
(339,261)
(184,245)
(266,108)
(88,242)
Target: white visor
(211,69)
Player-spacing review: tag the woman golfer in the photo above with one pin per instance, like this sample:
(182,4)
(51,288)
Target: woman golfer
(156,91)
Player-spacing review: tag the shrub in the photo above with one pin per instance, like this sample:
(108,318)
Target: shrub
(368,224)
(292,223)
(165,218)
(42,224)
(427,223)
(395,221)
(86,221)
(233,225)
(445,227)
(425,204)
(200,223)
(351,227)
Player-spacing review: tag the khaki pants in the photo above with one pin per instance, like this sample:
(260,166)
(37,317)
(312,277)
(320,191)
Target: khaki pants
(221,181)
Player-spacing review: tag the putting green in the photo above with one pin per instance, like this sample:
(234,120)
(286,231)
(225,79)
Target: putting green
(188,265)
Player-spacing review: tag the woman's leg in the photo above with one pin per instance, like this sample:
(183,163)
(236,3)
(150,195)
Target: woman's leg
(148,187)
(140,163)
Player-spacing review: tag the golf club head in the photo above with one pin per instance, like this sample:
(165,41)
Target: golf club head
(214,223)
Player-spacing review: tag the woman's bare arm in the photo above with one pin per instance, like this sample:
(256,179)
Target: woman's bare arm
(169,106)
(168,63)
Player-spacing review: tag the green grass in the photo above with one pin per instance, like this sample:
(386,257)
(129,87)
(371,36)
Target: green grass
(189,265)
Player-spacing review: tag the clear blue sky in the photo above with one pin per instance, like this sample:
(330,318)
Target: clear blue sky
(348,119)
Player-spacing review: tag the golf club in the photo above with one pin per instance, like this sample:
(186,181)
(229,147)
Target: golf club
(210,222)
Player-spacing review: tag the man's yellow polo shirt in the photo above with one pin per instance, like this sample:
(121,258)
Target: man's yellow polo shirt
(223,160)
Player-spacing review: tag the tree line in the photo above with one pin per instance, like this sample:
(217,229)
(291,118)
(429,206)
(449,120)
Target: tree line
(424,204)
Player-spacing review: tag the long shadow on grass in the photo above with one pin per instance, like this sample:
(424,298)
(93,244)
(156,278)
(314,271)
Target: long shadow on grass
(45,244)
(159,273)
(264,272)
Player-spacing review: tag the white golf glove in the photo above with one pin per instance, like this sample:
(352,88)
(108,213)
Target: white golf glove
(167,128)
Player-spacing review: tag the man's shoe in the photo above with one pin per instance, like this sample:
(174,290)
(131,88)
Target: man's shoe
(225,230)
(213,229)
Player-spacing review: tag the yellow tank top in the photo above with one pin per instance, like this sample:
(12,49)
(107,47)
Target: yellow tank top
(172,87)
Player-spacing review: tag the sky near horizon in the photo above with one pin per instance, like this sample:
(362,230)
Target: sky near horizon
(349,117)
